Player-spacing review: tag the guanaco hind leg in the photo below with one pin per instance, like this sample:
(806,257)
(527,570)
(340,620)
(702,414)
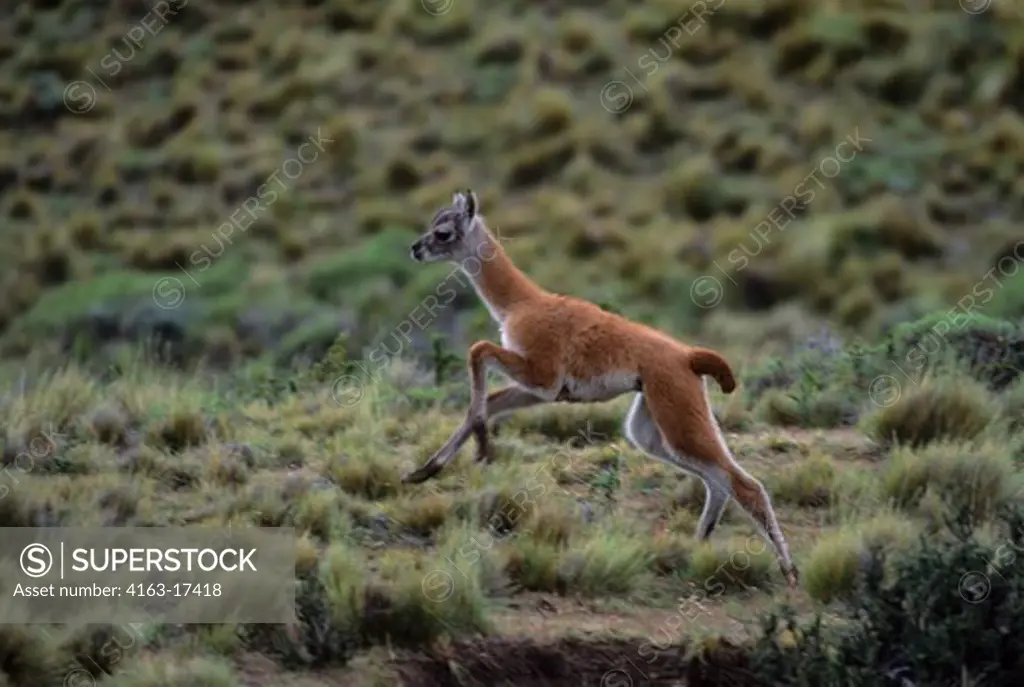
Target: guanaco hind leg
(644,434)
(690,439)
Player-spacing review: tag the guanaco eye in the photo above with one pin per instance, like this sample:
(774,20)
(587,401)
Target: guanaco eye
(444,235)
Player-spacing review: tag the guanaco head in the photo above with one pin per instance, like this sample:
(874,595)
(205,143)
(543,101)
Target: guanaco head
(451,233)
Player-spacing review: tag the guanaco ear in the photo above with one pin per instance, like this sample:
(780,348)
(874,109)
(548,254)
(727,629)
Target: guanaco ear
(471,204)
(459,201)
(465,203)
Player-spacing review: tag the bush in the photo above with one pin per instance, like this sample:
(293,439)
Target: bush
(534,566)
(607,562)
(736,564)
(992,350)
(1012,400)
(945,614)
(171,671)
(836,563)
(937,408)
(412,602)
(978,478)
(808,484)
(833,566)
(988,350)
(26,657)
(809,409)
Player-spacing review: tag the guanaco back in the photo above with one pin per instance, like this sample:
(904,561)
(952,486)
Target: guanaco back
(557,348)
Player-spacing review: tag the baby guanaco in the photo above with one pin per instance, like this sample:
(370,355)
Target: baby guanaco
(557,348)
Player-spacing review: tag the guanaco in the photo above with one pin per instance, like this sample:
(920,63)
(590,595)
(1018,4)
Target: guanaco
(557,348)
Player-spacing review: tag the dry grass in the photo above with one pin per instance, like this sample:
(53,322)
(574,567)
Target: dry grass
(561,517)
(176,671)
(411,566)
(102,208)
(810,483)
(938,408)
(980,477)
(835,564)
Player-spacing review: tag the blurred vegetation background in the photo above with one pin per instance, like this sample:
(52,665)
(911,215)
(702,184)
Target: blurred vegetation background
(811,185)
(243,179)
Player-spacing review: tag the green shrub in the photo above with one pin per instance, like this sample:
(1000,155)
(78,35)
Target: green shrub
(942,615)
(26,657)
(808,484)
(935,409)
(607,562)
(1012,401)
(836,563)
(176,671)
(833,566)
(740,563)
(978,477)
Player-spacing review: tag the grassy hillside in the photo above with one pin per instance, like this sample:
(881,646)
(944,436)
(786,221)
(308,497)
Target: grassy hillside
(207,209)
(858,158)
(571,560)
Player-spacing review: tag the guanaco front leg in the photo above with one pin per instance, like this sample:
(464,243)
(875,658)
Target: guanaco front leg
(484,406)
(498,402)
(536,378)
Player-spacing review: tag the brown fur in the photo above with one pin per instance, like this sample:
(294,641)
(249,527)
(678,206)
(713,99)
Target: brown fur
(559,348)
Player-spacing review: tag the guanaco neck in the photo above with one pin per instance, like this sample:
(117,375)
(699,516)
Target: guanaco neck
(498,282)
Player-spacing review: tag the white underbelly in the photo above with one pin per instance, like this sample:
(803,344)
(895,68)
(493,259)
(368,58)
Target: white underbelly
(599,388)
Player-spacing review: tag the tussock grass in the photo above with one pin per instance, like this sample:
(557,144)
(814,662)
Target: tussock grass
(811,483)
(505,509)
(27,656)
(836,563)
(947,407)
(736,564)
(978,476)
(826,408)
(890,530)
(414,599)
(555,523)
(321,513)
(857,493)
(369,474)
(607,561)
(407,566)
(53,403)
(455,597)
(263,501)
(535,565)
(672,554)
(421,514)
(833,565)
(342,570)
(307,554)
(176,671)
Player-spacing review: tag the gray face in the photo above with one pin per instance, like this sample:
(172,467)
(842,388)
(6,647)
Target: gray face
(445,240)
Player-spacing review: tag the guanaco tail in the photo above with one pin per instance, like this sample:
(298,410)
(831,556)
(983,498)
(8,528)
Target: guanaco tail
(557,348)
